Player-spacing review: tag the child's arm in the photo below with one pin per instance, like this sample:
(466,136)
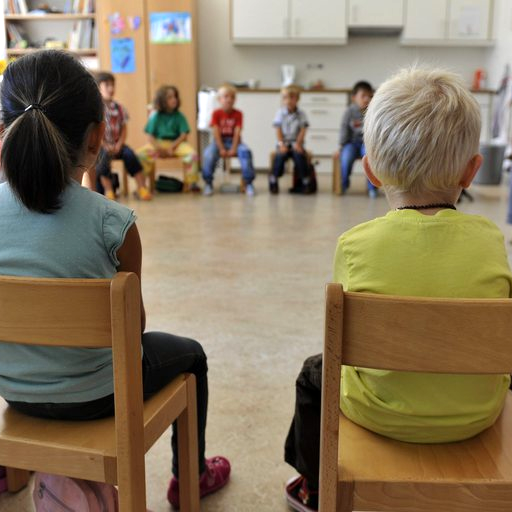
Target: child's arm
(122,139)
(299,143)
(130,260)
(236,141)
(280,140)
(176,143)
(218,141)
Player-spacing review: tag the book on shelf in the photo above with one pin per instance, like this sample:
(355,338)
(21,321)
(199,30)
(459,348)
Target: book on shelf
(82,35)
(16,7)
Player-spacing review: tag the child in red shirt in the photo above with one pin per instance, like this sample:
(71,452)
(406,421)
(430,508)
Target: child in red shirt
(226,129)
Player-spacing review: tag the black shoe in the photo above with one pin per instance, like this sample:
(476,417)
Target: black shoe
(299,496)
(273,187)
(298,189)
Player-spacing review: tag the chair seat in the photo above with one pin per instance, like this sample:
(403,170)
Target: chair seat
(370,456)
(393,475)
(88,446)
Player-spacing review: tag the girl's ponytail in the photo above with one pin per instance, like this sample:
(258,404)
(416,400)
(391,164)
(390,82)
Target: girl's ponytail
(49,100)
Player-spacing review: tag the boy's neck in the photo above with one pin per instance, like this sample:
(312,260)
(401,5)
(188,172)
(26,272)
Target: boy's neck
(404,199)
(228,110)
(292,109)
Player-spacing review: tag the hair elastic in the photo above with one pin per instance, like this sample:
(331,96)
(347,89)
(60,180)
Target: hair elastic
(35,106)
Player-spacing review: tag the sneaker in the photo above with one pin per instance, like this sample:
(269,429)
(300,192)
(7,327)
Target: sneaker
(299,497)
(214,478)
(144,194)
(110,194)
(273,186)
(249,190)
(373,193)
(208,190)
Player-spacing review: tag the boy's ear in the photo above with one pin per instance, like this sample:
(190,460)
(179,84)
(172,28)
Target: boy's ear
(471,169)
(369,173)
(96,137)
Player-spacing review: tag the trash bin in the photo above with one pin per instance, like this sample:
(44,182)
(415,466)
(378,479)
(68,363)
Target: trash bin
(490,172)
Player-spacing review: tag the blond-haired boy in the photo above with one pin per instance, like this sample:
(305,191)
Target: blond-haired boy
(291,124)
(226,126)
(421,133)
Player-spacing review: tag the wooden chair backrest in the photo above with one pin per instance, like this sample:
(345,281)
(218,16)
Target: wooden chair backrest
(466,336)
(89,313)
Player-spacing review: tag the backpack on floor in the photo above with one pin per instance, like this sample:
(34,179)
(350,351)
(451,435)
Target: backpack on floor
(168,184)
(55,493)
(297,185)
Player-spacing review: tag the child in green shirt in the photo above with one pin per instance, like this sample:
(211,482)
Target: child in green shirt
(421,134)
(167,129)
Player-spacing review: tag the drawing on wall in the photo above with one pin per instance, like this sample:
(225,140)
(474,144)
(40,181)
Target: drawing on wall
(117,23)
(170,27)
(134,22)
(122,55)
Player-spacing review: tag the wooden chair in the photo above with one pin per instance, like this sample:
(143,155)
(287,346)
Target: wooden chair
(173,162)
(361,470)
(336,176)
(289,164)
(226,174)
(95,313)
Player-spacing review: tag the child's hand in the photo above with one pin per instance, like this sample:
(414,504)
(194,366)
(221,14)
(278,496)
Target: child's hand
(298,148)
(336,154)
(117,148)
(231,152)
(283,148)
(224,153)
(169,153)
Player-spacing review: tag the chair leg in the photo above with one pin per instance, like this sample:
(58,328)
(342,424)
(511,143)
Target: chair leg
(345,497)
(125,181)
(336,178)
(188,453)
(152,181)
(17,479)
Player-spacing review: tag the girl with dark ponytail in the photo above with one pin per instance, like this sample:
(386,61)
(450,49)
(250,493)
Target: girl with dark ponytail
(50,226)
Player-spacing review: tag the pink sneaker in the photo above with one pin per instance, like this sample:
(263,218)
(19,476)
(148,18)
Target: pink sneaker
(215,476)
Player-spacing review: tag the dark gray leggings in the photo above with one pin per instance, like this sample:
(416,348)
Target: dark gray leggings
(165,357)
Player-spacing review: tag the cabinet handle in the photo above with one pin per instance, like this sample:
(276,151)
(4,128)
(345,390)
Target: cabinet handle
(318,137)
(355,13)
(297,27)
(319,99)
(286,25)
(318,111)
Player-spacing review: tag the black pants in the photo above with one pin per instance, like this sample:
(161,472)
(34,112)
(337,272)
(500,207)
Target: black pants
(300,161)
(104,165)
(165,357)
(302,447)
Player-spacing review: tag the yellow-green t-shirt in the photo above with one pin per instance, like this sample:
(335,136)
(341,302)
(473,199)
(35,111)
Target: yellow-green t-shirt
(449,254)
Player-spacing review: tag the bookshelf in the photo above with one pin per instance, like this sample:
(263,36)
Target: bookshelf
(71,25)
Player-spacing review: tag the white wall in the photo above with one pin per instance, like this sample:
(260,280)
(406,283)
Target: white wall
(370,58)
(501,53)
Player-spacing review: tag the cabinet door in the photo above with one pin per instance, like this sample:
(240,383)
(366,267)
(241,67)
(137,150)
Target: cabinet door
(375,13)
(426,20)
(322,19)
(469,19)
(260,19)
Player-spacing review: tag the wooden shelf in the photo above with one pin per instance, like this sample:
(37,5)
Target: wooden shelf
(84,51)
(49,17)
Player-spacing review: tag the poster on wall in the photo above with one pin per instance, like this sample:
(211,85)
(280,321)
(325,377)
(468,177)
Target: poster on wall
(122,55)
(170,27)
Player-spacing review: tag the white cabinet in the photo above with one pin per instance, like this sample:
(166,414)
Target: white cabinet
(469,19)
(288,21)
(448,22)
(375,13)
(425,20)
(260,19)
(323,109)
(318,20)
(259,109)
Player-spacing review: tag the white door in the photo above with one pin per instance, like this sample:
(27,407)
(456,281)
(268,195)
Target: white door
(469,19)
(260,19)
(375,13)
(319,19)
(426,20)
